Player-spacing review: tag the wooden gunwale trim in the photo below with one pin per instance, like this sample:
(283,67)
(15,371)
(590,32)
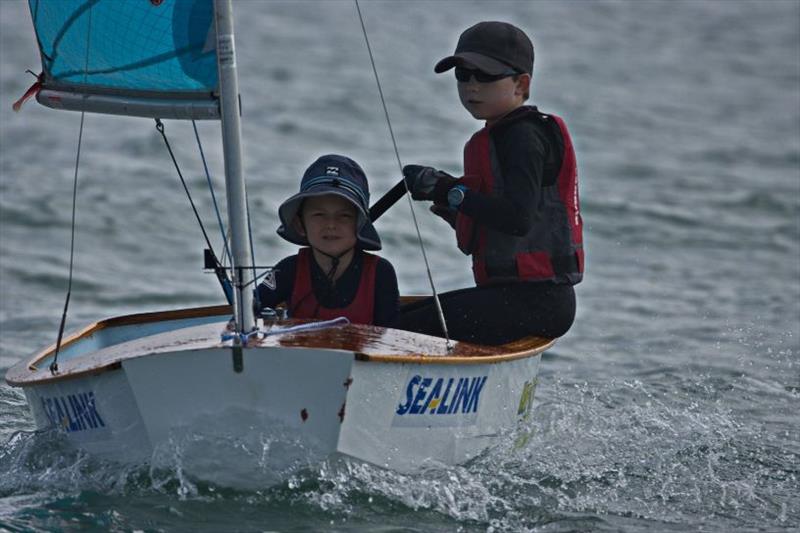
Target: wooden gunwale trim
(109,367)
(143,318)
(128,320)
(18,375)
(358,356)
(53,378)
(457,360)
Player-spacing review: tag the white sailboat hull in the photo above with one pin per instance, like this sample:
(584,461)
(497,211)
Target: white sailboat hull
(403,411)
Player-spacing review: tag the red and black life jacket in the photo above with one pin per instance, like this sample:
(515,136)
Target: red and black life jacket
(553,248)
(303,303)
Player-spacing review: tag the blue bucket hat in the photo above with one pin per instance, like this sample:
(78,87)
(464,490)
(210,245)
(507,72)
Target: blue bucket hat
(332,174)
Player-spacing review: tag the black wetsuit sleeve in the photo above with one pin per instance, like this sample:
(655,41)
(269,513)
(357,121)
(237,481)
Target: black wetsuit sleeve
(284,283)
(521,152)
(387,297)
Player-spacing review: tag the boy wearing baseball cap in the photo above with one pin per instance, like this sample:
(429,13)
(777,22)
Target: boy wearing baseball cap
(332,275)
(515,210)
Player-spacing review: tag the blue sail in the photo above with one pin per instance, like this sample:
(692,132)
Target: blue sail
(154,58)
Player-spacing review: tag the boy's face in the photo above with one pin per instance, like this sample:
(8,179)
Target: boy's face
(329,224)
(492,100)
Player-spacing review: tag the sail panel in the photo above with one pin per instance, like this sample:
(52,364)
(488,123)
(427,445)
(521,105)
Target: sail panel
(163,49)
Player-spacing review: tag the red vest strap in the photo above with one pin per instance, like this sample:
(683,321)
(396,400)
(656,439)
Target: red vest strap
(477,177)
(303,303)
(568,191)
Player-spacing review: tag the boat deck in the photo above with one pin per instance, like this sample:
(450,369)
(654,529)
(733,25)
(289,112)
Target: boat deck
(368,343)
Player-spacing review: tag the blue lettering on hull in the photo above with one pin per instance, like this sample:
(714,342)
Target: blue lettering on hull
(440,401)
(73,412)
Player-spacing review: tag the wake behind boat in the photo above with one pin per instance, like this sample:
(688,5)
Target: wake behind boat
(125,387)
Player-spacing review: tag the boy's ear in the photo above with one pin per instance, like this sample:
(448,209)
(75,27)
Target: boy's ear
(298,226)
(523,84)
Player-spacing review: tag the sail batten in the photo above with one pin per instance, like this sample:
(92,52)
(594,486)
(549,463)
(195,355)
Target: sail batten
(113,56)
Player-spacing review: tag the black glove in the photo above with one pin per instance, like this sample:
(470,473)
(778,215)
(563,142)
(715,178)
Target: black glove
(447,214)
(427,183)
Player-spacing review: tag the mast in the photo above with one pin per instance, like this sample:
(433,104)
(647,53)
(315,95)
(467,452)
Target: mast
(234,180)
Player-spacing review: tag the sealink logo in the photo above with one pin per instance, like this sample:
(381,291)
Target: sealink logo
(73,412)
(440,401)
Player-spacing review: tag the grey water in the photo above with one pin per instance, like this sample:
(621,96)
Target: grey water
(673,404)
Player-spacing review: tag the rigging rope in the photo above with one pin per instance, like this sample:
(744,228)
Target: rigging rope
(227,253)
(442,320)
(221,276)
(256,297)
(54,363)
(160,128)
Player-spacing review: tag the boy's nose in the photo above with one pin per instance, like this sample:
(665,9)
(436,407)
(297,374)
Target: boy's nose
(472,84)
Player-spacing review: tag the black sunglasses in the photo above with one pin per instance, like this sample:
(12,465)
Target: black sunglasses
(464,74)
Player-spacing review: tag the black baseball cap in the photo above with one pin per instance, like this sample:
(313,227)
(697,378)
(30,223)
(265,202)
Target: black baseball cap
(491,47)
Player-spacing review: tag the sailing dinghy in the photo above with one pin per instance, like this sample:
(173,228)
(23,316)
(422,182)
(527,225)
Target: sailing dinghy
(124,388)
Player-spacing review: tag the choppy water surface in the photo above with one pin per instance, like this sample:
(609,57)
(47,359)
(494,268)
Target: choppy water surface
(671,405)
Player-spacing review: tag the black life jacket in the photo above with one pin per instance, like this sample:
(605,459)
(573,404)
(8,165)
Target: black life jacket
(553,248)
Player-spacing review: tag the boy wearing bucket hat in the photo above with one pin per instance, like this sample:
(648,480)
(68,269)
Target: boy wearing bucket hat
(515,210)
(332,275)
